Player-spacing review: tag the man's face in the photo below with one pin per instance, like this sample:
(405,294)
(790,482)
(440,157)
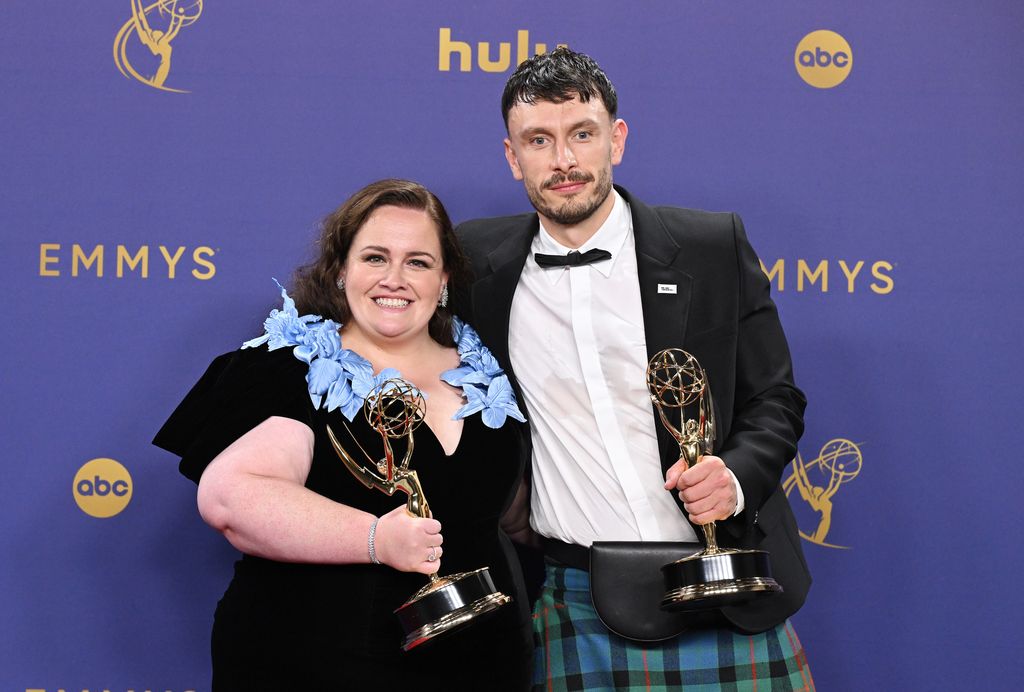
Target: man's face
(564,153)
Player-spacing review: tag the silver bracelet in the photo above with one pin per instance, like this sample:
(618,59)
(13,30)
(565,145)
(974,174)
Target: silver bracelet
(370,547)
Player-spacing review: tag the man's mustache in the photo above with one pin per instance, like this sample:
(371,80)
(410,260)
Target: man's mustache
(572,177)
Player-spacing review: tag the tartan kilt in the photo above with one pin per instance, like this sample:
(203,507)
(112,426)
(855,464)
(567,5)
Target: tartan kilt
(575,651)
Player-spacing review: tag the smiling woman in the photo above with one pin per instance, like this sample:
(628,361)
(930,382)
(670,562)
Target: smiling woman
(325,561)
(394,277)
(316,290)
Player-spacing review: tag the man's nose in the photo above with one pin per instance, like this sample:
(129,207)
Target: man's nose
(565,160)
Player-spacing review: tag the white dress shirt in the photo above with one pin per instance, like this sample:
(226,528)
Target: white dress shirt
(577,345)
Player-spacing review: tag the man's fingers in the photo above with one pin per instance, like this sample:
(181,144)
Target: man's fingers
(675,471)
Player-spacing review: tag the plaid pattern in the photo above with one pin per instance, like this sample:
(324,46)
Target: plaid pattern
(574,651)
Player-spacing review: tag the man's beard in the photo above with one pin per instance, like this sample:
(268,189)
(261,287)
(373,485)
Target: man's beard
(576,209)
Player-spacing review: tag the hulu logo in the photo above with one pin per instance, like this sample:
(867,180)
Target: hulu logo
(464,51)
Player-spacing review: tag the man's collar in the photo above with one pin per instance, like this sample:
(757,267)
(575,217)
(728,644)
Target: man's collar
(610,236)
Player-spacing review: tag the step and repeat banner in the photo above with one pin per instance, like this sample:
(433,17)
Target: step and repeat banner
(163,160)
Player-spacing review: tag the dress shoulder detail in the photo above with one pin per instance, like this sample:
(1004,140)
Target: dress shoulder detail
(238,391)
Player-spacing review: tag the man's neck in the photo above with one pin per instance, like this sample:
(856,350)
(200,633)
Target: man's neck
(575,235)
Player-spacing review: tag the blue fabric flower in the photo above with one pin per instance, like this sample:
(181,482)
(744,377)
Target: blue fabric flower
(495,403)
(323,372)
(466,339)
(343,378)
(321,341)
(284,327)
(340,379)
(480,368)
(340,396)
(483,382)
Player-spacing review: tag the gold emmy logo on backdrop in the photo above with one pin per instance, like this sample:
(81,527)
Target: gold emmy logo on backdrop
(85,686)
(820,479)
(155,26)
(123,261)
(834,275)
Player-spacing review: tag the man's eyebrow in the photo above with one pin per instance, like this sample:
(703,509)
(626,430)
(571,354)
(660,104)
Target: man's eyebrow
(540,130)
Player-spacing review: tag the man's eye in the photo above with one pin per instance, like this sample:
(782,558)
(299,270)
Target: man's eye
(583,135)
(539,141)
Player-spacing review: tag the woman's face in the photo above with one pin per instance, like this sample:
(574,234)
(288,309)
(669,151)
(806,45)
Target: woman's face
(394,274)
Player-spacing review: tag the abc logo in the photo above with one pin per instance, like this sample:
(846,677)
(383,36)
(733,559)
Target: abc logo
(823,59)
(102,488)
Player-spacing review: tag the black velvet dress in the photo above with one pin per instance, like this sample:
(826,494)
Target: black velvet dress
(288,626)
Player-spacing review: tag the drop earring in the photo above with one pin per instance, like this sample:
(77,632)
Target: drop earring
(340,283)
(443,301)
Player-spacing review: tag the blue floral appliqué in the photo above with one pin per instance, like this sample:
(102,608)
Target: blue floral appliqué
(484,384)
(342,379)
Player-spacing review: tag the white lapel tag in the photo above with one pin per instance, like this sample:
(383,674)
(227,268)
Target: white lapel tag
(667,288)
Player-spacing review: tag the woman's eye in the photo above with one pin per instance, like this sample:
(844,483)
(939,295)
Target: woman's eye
(418,263)
(373,259)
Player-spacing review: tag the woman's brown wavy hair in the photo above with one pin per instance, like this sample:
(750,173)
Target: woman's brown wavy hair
(314,286)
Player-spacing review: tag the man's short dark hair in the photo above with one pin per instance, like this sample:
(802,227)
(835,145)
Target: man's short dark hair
(557,77)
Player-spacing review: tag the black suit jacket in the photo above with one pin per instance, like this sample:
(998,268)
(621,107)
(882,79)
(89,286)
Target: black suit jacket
(721,313)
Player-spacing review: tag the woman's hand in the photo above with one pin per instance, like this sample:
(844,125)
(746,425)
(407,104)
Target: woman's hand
(408,543)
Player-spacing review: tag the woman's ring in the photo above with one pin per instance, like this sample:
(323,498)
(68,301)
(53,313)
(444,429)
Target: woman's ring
(433,555)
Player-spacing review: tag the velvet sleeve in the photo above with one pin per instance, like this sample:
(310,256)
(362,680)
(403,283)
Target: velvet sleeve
(237,392)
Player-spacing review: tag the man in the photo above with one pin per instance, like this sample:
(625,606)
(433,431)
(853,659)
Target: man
(576,338)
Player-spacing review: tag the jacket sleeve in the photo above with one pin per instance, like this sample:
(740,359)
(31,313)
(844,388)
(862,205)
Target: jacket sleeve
(767,416)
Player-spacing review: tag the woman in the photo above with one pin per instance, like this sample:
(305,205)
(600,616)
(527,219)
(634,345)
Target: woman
(326,561)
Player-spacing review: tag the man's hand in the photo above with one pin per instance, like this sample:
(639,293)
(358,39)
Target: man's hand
(706,489)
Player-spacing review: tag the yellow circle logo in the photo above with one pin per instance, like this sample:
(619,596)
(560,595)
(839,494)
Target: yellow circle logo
(102,488)
(823,59)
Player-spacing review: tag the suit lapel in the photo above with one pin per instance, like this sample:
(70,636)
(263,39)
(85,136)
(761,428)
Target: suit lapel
(492,294)
(665,291)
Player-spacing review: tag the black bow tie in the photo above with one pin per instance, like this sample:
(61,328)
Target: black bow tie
(574,259)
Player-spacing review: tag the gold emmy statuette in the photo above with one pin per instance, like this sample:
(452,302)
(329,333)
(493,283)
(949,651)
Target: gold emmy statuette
(714,577)
(394,410)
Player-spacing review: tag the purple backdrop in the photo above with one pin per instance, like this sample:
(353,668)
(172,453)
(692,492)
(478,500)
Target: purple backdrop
(912,165)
